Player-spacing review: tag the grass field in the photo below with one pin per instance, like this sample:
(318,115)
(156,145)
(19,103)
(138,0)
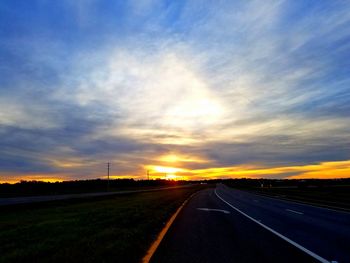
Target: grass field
(113,229)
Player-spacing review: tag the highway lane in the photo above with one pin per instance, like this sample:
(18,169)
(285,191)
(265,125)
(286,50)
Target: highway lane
(204,235)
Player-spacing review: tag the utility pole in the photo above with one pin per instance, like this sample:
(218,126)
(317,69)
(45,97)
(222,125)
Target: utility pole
(108,167)
(148,175)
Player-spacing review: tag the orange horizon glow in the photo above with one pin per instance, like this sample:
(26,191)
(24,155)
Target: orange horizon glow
(42,178)
(324,170)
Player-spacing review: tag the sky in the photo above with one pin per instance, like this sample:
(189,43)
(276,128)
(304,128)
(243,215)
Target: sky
(189,89)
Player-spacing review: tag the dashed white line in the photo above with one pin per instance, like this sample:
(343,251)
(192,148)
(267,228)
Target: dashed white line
(293,211)
(215,210)
(310,253)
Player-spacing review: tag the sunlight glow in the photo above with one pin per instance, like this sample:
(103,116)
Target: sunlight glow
(171,177)
(171,158)
(197,110)
(177,158)
(174,101)
(167,170)
(325,170)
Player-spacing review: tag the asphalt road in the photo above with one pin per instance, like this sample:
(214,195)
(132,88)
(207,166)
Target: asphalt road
(245,227)
(46,198)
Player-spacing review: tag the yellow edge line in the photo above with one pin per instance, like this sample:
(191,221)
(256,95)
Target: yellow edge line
(161,235)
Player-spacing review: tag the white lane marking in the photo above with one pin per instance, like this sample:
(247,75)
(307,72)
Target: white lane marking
(256,200)
(216,210)
(293,211)
(312,254)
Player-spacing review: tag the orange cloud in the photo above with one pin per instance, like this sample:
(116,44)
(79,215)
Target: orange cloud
(324,170)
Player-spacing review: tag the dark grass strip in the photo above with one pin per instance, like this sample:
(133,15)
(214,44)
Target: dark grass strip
(114,229)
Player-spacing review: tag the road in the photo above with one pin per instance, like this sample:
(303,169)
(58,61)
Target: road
(244,227)
(46,198)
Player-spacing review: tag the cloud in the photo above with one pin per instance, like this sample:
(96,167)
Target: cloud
(233,83)
(156,93)
(16,114)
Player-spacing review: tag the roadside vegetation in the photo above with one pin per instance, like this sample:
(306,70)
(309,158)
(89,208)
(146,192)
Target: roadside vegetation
(109,229)
(35,188)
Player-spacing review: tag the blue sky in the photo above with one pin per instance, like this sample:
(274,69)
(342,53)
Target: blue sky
(235,84)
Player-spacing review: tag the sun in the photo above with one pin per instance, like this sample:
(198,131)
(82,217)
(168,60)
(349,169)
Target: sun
(171,177)
(164,172)
(166,169)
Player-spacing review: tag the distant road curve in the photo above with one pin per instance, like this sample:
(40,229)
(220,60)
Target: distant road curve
(46,198)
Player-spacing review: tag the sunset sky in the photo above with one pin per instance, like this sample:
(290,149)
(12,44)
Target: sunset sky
(184,89)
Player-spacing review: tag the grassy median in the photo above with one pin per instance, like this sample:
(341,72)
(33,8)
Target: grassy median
(113,229)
